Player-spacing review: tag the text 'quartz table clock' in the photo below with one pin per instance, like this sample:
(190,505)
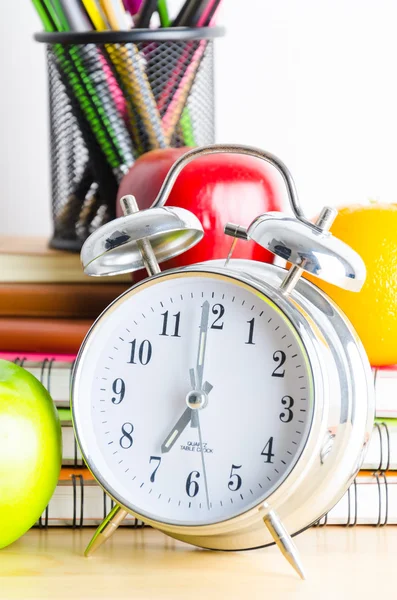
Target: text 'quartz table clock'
(225,404)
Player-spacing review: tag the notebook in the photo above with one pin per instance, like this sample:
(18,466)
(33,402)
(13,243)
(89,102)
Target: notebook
(386,391)
(382,450)
(63,336)
(370,500)
(71,455)
(78,501)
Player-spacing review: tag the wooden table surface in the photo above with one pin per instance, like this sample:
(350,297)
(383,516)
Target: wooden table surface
(340,563)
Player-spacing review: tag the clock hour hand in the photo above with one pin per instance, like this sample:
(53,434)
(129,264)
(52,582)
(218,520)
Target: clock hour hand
(206,387)
(176,431)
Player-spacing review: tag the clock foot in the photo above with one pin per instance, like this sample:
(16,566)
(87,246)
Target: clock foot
(106,529)
(284,541)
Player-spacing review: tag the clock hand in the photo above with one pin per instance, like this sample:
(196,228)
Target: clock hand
(206,388)
(196,376)
(202,459)
(176,431)
(202,344)
(193,414)
(197,398)
(186,417)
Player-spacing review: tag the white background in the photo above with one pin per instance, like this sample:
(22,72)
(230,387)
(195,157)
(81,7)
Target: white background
(312,81)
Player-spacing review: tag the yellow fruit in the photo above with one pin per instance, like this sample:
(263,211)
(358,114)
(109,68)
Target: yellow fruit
(371,231)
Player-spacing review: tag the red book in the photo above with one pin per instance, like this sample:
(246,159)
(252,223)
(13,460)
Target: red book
(54,300)
(60,336)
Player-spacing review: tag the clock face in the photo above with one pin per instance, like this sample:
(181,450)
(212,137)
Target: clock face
(192,398)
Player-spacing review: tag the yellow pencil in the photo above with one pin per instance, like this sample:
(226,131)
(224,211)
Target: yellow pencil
(96,15)
(100,23)
(128,64)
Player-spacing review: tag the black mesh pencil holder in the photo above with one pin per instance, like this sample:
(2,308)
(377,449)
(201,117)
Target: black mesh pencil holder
(114,96)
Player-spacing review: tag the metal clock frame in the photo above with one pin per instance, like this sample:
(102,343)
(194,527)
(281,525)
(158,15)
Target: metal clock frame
(313,485)
(343,388)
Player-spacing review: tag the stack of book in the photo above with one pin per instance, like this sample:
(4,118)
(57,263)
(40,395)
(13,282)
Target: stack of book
(372,498)
(47,305)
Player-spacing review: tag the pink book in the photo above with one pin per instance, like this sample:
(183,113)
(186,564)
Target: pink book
(35,357)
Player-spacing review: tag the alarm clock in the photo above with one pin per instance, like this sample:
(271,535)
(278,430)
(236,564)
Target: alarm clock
(229,403)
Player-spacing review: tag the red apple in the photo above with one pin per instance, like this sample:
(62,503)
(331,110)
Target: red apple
(217,188)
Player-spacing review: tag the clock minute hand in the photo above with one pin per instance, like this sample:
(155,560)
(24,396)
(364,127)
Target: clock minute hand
(196,381)
(196,376)
(202,344)
(203,460)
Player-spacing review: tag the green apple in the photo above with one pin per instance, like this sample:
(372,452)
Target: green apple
(30,450)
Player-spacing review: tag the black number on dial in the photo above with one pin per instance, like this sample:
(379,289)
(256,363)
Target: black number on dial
(192,487)
(158,459)
(235,479)
(119,388)
(288,415)
(268,451)
(218,309)
(177,318)
(126,440)
(251,332)
(280,357)
(144,352)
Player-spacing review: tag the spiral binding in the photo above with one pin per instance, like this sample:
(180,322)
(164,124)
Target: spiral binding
(45,367)
(384,441)
(386,494)
(77,512)
(381,429)
(40,523)
(381,480)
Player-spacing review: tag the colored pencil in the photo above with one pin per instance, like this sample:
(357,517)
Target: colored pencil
(208,15)
(98,22)
(186,15)
(113,92)
(185,123)
(96,15)
(132,6)
(85,90)
(127,62)
(147,9)
(188,66)
(74,18)
(103,161)
(162,9)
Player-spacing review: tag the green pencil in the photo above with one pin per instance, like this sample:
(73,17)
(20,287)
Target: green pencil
(185,122)
(85,91)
